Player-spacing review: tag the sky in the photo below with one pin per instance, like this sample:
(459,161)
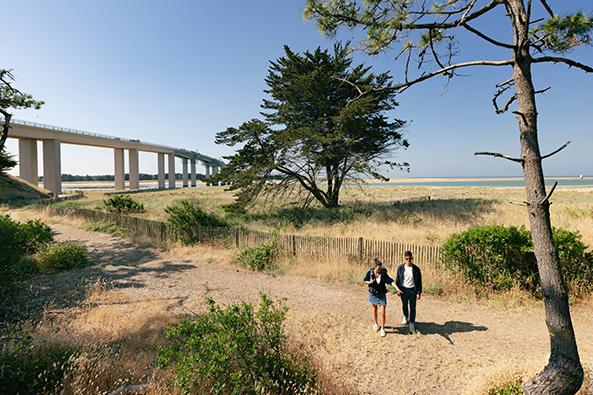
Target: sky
(177,72)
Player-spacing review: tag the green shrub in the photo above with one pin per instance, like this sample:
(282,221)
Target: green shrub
(16,242)
(7,161)
(187,218)
(34,235)
(576,261)
(234,209)
(63,255)
(27,370)
(514,387)
(258,258)
(107,227)
(122,204)
(501,257)
(235,350)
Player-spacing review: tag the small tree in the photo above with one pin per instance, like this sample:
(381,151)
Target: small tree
(427,31)
(315,136)
(11,98)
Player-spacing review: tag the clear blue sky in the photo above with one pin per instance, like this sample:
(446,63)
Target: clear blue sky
(177,72)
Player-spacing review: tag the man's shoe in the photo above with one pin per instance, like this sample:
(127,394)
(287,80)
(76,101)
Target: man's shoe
(412,328)
(405,320)
(382,333)
(376,327)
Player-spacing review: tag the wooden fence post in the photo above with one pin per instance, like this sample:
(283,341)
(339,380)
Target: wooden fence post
(237,237)
(360,243)
(293,242)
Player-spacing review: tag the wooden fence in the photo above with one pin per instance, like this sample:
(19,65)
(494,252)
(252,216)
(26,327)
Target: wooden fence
(359,249)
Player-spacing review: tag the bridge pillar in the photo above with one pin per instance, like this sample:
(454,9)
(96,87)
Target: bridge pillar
(208,173)
(28,160)
(215,170)
(161,170)
(119,169)
(52,166)
(193,172)
(184,172)
(171,171)
(133,168)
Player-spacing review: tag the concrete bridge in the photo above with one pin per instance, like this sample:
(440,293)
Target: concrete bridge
(28,133)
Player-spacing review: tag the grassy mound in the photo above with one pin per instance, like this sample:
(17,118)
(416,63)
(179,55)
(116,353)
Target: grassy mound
(15,190)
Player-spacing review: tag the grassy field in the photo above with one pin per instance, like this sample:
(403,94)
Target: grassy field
(372,211)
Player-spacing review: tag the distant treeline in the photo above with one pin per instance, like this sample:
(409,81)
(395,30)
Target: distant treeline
(111,177)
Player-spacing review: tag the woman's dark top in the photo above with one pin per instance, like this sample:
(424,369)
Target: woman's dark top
(379,289)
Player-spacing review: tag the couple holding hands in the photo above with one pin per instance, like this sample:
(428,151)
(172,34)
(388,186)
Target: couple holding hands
(408,283)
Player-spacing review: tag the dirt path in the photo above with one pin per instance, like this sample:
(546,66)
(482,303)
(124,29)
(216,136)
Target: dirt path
(459,348)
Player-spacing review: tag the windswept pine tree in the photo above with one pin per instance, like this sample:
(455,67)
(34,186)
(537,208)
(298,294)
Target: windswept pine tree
(314,136)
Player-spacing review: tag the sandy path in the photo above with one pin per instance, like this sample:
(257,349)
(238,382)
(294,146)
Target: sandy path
(460,346)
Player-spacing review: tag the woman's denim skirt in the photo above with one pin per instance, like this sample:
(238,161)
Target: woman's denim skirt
(380,299)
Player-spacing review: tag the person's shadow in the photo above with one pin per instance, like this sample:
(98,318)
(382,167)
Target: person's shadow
(430,328)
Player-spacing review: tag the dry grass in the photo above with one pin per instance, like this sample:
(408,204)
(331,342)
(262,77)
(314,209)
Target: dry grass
(119,339)
(450,210)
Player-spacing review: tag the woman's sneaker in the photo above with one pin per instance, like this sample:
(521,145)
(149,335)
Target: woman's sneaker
(382,333)
(412,328)
(405,320)
(376,327)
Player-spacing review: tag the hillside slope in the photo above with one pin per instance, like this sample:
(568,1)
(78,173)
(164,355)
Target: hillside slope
(14,189)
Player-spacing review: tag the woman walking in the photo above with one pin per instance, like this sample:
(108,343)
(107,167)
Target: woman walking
(376,278)
(409,287)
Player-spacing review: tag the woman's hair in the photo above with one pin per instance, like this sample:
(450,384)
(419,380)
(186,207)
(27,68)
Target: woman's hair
(408,253)
(377,262)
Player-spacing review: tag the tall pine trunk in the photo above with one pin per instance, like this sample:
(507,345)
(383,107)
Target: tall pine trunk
(563,374)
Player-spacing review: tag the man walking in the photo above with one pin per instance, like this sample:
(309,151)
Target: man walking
(409,285)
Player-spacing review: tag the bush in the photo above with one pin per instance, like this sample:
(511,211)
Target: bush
(122,204)
(576,261)
(34,235)
(16,241)
(235,350)
(28,370)
(514,387)
(63,255)
(187,218)
(258,258)
(7,161)
(501,257)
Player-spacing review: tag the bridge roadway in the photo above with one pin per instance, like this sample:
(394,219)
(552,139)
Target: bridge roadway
(28,133)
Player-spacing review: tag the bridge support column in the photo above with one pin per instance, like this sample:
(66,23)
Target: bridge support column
(184,172)
(171,171)
(192,172)
(161,170)
(119,169)
(208,174)
(133,168)
(52,166)
(28,160)
(215,170)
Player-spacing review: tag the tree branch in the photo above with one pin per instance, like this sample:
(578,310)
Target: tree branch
(402,87)
(547,7)
(549,195)
(485,37)
(497,155)
(569,62)
(556,151)
(506,86)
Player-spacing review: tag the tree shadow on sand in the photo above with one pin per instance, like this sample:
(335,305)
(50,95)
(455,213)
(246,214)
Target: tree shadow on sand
(125,265)
(431,328)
